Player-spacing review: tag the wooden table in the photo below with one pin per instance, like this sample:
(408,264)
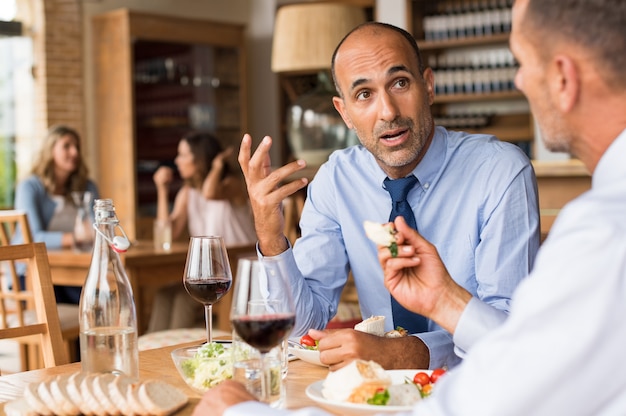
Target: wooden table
(157,364)
(148,270)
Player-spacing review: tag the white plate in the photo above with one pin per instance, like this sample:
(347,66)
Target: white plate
(309,356)
(314,392)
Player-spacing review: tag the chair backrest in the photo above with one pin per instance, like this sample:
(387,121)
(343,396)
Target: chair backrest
(44,322)
(10,222)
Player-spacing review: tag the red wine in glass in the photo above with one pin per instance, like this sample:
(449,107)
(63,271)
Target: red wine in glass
(262,313)
(264,332)
(207,274)
(207,291)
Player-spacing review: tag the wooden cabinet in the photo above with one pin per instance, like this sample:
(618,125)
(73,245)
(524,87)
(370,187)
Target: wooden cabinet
(158,78)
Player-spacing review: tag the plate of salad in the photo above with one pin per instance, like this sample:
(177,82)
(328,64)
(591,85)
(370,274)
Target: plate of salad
(306,349)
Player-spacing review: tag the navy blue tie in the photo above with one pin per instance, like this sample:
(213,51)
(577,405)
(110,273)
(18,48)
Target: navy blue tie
(399,189)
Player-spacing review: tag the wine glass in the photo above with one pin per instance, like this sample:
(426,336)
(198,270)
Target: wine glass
(207,274)
(262,313)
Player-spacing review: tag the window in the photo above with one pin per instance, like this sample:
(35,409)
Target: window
(16,97)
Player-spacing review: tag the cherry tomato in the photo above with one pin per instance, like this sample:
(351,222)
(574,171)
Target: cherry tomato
(307,341)
(426,390)
(421,378)
(436,374)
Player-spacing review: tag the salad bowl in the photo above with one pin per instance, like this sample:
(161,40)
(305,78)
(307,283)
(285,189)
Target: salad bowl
(203,367)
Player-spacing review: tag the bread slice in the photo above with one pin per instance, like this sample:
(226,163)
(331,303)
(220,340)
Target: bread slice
(58,406)
(73,390)
(19,407)
(58,389)
(100,390)
(161,398)
(35,401)
(134,404)
(118,390)
(89,398)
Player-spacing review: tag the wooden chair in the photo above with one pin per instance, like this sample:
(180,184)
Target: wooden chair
(10,222)
(41,325)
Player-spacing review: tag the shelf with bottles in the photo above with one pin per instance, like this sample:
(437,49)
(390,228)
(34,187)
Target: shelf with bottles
(449,23)
(465,42)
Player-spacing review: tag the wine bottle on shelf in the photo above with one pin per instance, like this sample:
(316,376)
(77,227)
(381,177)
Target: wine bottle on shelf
(108,320)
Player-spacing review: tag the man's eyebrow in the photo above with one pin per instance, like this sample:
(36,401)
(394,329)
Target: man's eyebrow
(393,70)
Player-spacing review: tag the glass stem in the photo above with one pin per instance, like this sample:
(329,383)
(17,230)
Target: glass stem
(208,317)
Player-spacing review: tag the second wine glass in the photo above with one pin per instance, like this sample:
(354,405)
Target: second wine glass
(207,274)
(262,313)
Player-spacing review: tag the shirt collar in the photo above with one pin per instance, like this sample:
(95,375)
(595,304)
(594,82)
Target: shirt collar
(426,171)
(611,165)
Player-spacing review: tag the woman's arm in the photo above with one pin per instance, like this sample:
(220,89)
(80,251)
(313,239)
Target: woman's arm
(214,186)
(178,217)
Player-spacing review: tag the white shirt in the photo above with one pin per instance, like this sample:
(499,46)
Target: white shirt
(219,217)
(561,350)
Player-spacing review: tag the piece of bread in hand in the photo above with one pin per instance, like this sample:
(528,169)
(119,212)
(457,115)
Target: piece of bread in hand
(356,382)
(374,325)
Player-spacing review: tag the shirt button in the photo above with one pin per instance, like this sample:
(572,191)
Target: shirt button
(426,185)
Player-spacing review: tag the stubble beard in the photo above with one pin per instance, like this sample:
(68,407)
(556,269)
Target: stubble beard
(553,134)
(411,149)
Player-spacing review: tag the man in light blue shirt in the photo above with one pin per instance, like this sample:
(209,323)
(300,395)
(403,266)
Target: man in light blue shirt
(475,199)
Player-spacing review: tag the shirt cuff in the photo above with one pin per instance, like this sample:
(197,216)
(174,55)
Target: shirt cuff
(440,347)
(477,319)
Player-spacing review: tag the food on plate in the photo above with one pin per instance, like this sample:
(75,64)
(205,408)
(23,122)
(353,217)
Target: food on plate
(374,325)
(399,332)
(382,235)
(403,394)
(425,381)
(356,382)
(308,342)
(92,394)
(436,374)
(366,382)
(212,364)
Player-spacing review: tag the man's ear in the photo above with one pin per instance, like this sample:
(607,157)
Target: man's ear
(429,81)
(566,83)
(341,109)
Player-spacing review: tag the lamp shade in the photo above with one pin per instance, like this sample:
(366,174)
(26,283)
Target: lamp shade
(306,35)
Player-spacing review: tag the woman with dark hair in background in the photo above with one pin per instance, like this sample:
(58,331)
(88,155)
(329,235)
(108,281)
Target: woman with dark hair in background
(212,201)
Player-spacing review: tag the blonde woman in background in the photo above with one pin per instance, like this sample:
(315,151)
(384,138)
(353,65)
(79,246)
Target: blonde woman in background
(46,195)
(212,201)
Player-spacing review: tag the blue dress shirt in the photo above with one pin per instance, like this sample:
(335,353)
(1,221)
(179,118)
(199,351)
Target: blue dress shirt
(476,201)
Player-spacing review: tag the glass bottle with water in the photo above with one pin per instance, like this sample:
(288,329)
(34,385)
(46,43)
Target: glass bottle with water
(108,320)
